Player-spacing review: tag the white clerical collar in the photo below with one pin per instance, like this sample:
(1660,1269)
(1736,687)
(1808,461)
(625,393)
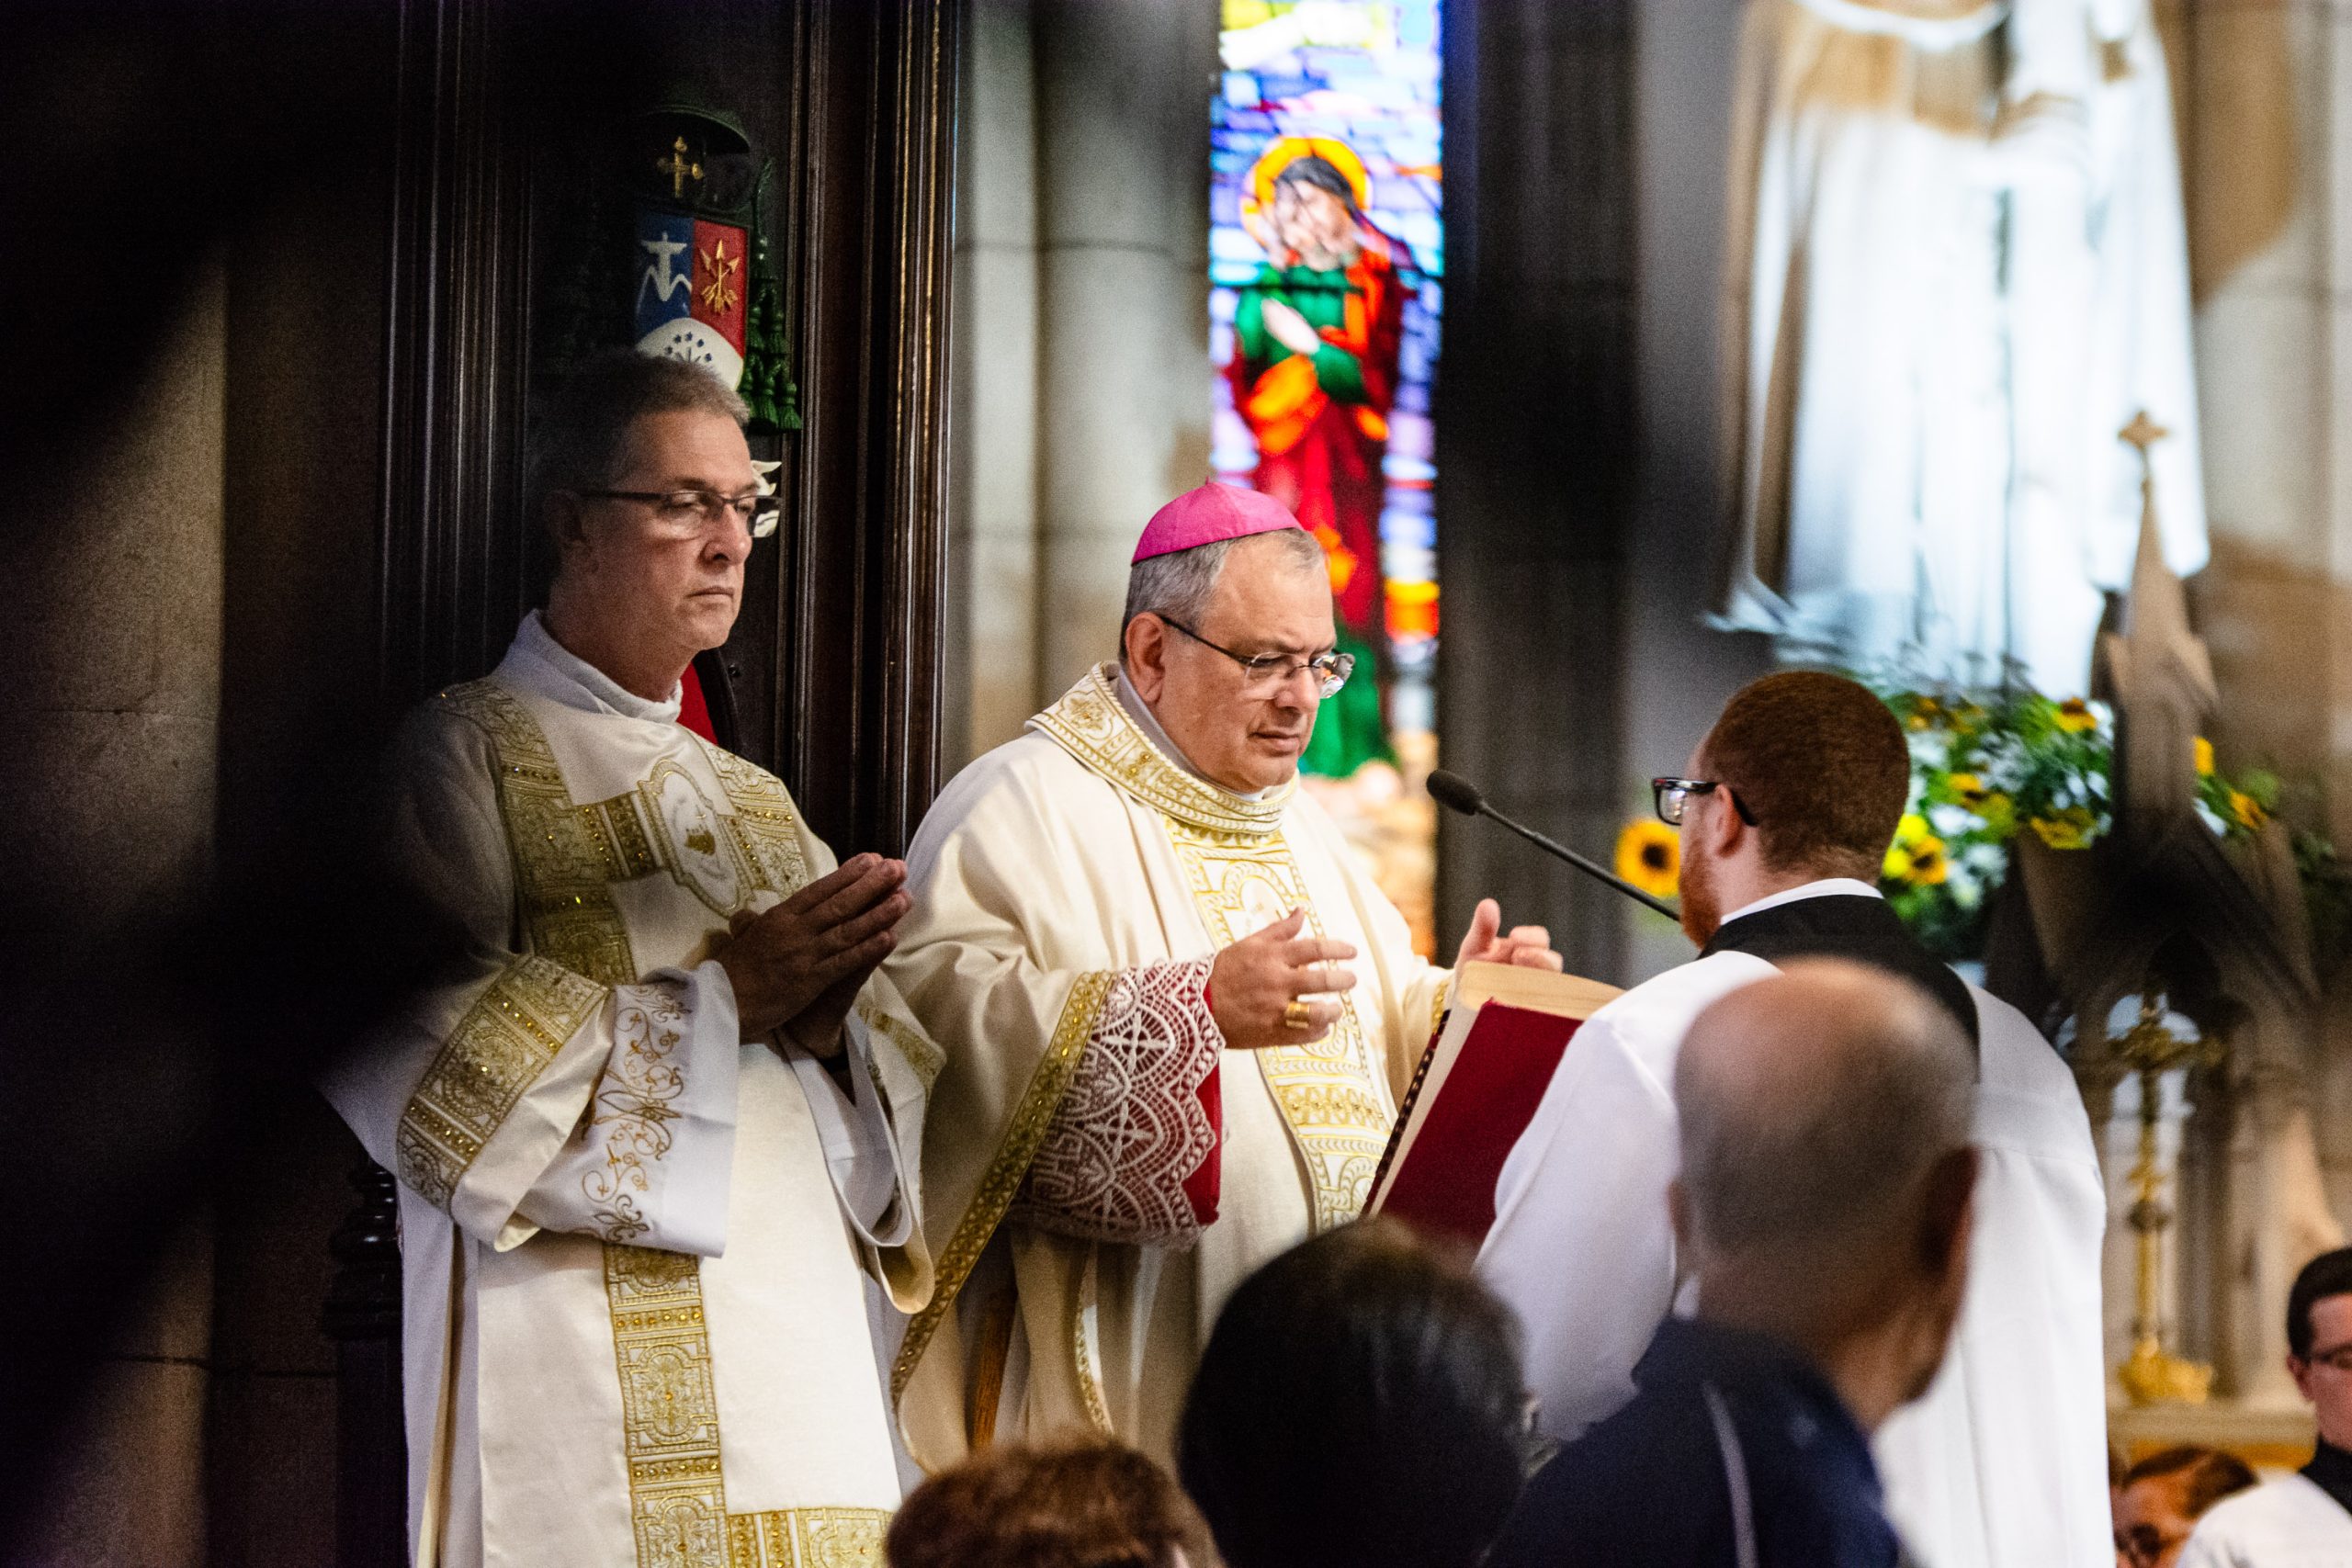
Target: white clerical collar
(1149,722)
(1828,887)
(537,660)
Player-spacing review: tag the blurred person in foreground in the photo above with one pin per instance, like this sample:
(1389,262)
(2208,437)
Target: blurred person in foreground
(2159,1500)
(1084,1503)
(1795,794)
(656,1133)
(1825,1302)
(1358,1405)
(2303,1520)
(1176,1010)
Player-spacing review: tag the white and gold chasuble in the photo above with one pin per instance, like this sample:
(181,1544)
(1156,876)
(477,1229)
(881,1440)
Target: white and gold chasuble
(636,1251)
(1069,889)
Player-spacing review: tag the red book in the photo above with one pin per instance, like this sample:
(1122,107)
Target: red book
(1474,1092)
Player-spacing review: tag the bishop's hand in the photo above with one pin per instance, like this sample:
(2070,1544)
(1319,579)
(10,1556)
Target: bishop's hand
(1527,946)
(1258,986)
(801,963)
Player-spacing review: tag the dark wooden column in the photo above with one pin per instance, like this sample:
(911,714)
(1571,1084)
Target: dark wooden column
(1536,451)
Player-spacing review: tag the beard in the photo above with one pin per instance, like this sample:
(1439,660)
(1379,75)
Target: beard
(1701,912)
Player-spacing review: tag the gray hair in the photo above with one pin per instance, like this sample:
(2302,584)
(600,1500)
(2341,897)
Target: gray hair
(582,441)
(1813,1107)
(1178,586)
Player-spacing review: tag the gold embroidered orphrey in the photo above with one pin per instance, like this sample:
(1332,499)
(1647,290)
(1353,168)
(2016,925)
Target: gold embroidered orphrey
(566,857)
(1230,846)
(1082,1011)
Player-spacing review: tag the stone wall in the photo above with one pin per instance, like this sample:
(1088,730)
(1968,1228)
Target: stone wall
(116,579)
(1081,355)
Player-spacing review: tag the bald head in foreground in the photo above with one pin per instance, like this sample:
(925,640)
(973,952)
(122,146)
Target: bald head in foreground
(1826,1174)
(1824,1206)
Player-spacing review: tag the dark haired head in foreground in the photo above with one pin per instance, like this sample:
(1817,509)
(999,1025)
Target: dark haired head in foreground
(1359,1404)
(2159,1500)
(1088,1504)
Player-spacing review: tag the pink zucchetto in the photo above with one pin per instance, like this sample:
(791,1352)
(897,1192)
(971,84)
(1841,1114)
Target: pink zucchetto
(1206,515)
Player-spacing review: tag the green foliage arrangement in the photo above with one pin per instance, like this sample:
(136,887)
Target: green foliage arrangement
(1987,767)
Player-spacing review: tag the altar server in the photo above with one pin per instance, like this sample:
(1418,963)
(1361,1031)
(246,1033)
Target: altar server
(1176,1010)
(1794,797)
(2303,1520)
(656,1134)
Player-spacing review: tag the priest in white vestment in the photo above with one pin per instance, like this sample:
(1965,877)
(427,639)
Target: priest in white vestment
(1177,1012)
(1956,267)
(2303,1520)
(1793,798)
(650,1172)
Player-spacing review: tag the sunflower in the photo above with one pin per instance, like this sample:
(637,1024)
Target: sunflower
(2204,757)
(2068,830)
(1649,855)
(1916,856)
(2075,717)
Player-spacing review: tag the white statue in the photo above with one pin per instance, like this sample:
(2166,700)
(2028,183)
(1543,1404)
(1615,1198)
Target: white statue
(1956,269)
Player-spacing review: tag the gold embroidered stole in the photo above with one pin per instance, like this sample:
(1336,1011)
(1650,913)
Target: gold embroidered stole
(1243,874)
(566,859)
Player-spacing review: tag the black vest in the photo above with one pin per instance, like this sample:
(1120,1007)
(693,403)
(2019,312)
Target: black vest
(1847,925)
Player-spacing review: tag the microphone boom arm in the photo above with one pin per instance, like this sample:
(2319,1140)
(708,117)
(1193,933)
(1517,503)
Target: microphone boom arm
(1457,794)
(1574,859)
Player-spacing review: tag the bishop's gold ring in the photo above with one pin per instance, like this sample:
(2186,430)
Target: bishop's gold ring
(1299,1015)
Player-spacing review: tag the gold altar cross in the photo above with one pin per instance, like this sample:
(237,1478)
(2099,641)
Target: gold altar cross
(2142,432)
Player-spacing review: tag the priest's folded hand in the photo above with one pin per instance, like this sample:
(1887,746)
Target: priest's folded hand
(1258,986)
(814,950)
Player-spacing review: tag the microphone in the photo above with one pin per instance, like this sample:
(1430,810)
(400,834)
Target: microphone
(1457,794)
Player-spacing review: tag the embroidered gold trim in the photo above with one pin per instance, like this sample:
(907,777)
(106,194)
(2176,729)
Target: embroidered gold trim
(926,1059)
(994,1195)
(565,857)
(1081,1318)
(807,1538)
(762,827)
(505,1040)
(679,852)
(1092,725)
(1437,1004)
(668,1407)
(1326,1090)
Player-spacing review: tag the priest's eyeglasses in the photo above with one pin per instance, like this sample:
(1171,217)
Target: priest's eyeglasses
(1264,674)
(683,513)
(1670,796)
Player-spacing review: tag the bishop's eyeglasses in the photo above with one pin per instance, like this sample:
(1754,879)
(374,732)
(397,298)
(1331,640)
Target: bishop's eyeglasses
(683,513)
(1671,795)
(1263,674)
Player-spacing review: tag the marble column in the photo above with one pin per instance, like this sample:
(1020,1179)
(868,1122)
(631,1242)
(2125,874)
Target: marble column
(1122,212)
(992,586)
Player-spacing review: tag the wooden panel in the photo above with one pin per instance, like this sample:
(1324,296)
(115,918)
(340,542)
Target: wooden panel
(858,608)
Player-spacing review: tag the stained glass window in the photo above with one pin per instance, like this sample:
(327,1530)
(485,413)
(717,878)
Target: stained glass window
(1326,256)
